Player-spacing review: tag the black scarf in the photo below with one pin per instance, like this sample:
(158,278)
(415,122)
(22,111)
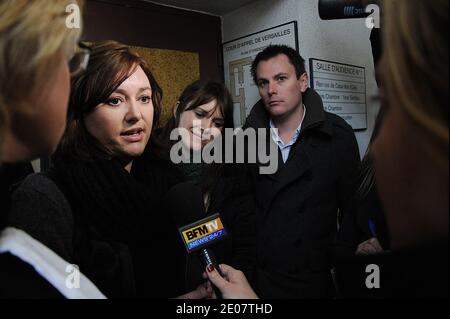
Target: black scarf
(112,212)
(105,195)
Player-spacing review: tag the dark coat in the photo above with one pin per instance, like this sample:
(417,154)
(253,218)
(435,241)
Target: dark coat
(230,197)
(350,269)
(297,207)
(355,227)
(10,174)
(18,279)
(44,206)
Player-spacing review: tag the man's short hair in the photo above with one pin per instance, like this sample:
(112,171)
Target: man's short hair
(274,50)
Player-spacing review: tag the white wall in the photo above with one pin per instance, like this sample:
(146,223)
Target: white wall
(343,41)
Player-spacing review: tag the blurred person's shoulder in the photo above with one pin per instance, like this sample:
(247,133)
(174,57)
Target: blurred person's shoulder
(340,126)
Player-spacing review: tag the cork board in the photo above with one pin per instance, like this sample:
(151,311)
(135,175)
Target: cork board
(173,70)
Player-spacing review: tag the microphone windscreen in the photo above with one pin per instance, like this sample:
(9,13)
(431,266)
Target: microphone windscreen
(341,9)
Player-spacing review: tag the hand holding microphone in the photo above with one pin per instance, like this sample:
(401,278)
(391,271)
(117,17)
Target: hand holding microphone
(231,282)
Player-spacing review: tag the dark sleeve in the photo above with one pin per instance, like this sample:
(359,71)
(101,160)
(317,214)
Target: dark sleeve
(355,225)
(347,163)
(348,236)
(371,207)
(244,236)
(244,223)
(41,210)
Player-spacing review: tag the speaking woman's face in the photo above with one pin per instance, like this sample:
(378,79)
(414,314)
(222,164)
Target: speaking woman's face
(123,123)
(203,124)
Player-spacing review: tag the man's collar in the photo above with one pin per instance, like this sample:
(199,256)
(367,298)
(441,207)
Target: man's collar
(297,130)
(315,117)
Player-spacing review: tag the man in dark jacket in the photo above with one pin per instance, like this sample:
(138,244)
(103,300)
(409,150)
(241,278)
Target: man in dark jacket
(297,207)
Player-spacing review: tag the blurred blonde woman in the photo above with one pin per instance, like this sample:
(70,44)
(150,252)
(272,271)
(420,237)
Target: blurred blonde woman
(411,153)
(35,49)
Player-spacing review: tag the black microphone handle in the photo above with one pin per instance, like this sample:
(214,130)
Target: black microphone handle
(209,258)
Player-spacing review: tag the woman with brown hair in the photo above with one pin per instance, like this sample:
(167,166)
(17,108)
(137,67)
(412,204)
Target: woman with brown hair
(99,206)
(203,111)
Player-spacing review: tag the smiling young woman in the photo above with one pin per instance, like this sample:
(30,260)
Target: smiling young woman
(204,110)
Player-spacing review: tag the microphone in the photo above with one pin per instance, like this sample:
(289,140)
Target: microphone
(198,231)
(342,9)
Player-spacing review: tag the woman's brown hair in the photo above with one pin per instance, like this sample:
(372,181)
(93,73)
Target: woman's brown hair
(194,95)
(110,64)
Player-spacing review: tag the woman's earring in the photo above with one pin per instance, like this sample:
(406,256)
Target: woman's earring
(175,109)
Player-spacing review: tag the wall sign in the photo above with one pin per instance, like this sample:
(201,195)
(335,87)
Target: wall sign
(238,56)
(343,90)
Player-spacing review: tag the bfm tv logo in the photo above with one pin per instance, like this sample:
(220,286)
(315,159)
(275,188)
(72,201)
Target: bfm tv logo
(203,232)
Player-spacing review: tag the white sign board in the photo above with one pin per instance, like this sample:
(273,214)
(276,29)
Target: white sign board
(238,56)
(343,90)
